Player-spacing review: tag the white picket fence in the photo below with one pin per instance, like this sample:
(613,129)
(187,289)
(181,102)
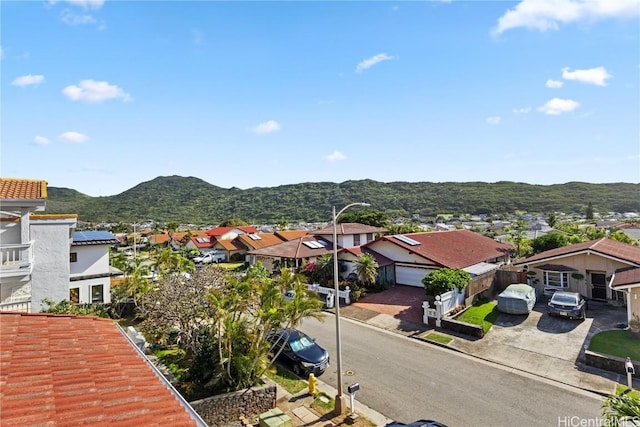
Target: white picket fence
(315,287)
(451,300)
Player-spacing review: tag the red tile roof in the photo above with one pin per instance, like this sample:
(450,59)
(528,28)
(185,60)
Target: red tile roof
(296,249)
(359,250)
(455,249)
(603,246)
(11,188)
(63,370)
(263,240)
(291,234)
(202,241)
(626,277)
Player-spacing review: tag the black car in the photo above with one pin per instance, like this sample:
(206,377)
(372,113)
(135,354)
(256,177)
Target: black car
(567,304)
(300,351)
(419,423)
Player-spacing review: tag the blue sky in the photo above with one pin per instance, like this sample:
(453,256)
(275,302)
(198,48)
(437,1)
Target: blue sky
(99,96)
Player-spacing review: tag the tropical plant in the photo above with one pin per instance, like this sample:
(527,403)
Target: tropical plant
(622,409)
(67,307)
(438,282)
(366,269)
(548,241)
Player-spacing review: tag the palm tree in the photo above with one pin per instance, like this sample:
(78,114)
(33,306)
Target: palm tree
(367,269)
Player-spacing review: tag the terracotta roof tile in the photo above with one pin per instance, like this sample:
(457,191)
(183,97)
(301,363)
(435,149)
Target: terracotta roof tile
(349,228)
(77,370)
(291,234)
(11,188)
(219,231)
(264,240)
(455,249)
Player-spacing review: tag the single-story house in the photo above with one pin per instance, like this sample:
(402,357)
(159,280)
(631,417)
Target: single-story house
(627,282)
(293,253)
(416,254)
(584,267)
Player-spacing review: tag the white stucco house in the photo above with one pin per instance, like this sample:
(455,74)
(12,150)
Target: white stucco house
(90,273)
(41,257)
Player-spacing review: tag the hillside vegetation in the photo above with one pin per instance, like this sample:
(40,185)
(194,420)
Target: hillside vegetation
(192,200)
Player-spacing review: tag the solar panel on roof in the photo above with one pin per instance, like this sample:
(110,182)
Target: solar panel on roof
(407,240)
(254,237)
(90,236)
(313,244)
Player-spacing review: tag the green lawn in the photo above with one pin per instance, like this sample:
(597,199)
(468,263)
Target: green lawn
(436,337)
(481,314)
(616,343)
(286,379)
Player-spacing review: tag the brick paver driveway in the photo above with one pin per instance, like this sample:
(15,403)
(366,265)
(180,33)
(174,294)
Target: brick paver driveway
(401,302)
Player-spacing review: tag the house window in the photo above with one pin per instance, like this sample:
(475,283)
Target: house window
(356,240)
(74,295)
(73,257)
(556,279)
(97,294)
(369,237)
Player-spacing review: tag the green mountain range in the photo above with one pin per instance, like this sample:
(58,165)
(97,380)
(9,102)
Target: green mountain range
(192,200)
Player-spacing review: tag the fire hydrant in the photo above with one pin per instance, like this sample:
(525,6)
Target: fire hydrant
(312,384)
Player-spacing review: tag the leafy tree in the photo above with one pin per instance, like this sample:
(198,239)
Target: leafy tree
(321,271)
(438,282)
(621,237)
(366,269)
(517,236)
(548,241)
(368,217)
(589,212)
(622,409)
(552,219)
(170,262)
(407,227)
(136,276)
(120,228)
(233,222)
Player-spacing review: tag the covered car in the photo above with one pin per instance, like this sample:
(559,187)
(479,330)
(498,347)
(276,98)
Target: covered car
(518,298)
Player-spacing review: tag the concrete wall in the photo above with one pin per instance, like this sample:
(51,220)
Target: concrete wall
(85,285)
(225,408)
(50,277)
(10,232)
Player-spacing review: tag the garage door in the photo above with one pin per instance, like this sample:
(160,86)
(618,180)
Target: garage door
(411,276)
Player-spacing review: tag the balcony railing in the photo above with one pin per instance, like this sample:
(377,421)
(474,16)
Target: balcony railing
(16,259)
(23,306)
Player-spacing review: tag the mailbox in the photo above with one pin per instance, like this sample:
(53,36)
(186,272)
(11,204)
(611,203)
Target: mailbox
(629,366)
(353,388)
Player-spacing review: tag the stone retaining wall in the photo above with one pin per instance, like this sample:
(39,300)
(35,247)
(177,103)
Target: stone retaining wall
(607,362)
(223,409)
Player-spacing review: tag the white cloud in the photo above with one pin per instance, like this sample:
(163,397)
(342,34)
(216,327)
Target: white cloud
(72,137)
(557,106)
(41,140)
(523,110)
(595,76)
(495,120)
(266,127)
(335,156)
(28,80)
(85,4)
(73,19)
(370,62)
(94,92)
(554,84)
(546,15)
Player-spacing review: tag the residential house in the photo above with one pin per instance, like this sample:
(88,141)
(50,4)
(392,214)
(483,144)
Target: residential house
(414,255)
(350,234)
(229,247)
(34,248)
(286,235)
(583,267)
(627,282)
(230,233)
(81,370)
(90,273)
(176,240)
(349,256)
(293,253)
(201,243)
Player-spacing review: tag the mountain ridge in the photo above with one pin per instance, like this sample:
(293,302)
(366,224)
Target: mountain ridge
(193,200)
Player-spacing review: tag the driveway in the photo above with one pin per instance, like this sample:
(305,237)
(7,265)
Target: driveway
(401,302)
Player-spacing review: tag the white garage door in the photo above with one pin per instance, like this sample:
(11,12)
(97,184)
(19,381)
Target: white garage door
(411,276)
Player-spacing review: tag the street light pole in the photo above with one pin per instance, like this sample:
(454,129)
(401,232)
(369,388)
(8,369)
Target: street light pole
(340,401)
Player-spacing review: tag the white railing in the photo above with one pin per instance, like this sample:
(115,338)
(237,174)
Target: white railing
(16,256)
(315,287)
(23,306)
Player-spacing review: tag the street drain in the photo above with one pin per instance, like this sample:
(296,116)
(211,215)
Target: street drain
(349,373)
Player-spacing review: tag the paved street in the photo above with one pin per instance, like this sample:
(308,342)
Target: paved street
(406,379)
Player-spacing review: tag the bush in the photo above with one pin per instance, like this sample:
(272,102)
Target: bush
(444,280)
